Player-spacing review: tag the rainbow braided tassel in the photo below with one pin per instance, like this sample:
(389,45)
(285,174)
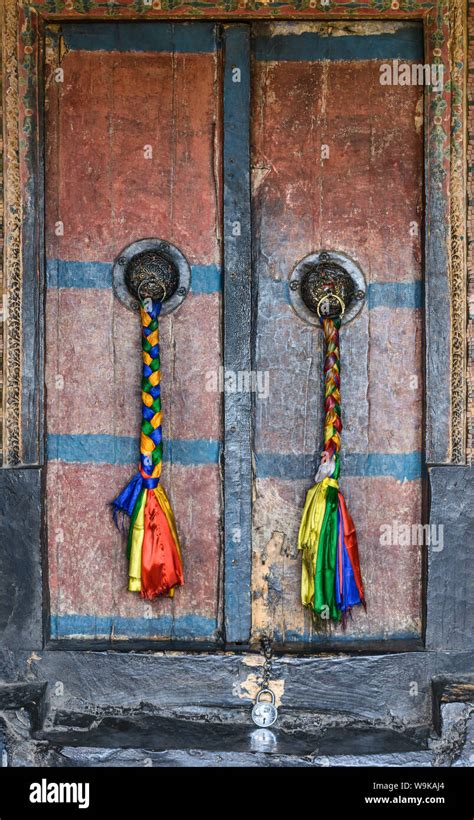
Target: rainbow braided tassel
(155,564)
(331,582)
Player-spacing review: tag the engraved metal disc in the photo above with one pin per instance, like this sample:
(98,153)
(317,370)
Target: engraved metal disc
(152,274)
(329,282)
(151,268)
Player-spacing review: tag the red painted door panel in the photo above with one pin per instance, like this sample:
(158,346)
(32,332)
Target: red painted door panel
(132,151)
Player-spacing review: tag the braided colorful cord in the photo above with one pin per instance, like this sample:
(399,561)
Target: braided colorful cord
(155,563)
(331,582)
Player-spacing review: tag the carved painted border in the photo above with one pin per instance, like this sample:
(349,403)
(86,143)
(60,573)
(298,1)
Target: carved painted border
(12,264)
(446,31)
(458,225)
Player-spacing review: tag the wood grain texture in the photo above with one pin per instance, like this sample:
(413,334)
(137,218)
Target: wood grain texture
(131,152)
(237,328)
(337,165)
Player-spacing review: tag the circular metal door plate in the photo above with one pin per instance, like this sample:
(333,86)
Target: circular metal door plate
(306,266)
(164,259)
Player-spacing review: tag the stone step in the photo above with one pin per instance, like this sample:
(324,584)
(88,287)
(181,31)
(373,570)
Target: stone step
(197,758)
(224,731)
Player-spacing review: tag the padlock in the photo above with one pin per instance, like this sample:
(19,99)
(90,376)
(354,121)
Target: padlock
(264,712)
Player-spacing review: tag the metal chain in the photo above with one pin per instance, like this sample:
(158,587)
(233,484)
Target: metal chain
(265,713)
(267,651)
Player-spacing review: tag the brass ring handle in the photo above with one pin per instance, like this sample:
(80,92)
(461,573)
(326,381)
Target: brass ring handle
(327,296)
(146,282)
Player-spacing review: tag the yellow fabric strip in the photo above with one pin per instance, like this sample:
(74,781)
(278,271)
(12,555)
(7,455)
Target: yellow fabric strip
(154,379)
(157,470)
(146,319)
(157,420)
(309,534)
(146,444)
(146,358)
(166,507)
(135,565)
(152,338)
(147,399)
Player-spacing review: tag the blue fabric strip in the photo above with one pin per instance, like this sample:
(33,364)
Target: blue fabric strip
(350,593)
(185,38)
(104,449)
(103,626)
(405,44)
(402,466)
(70,274)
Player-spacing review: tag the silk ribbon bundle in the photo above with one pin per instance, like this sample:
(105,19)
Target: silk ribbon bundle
(331,581)
(155,563)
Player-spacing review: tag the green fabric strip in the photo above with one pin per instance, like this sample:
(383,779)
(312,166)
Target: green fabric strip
(157,454)
(325,577)
(133,518)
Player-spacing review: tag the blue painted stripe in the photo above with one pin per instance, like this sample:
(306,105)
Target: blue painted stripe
(336,637)
(70,274)
(104,449)
(185,38)
(402,466)
(103,626)
(206,279)
(379,294)
(405,44)
(395,294)
(64,274)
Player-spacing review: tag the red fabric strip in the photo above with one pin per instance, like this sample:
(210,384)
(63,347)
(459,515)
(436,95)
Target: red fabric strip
(161,564)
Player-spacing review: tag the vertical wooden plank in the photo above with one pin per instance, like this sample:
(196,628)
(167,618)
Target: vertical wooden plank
(436,286)
(237,355)
(31,176)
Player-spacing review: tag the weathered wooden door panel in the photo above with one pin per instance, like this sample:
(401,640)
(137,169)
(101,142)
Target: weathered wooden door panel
(337,165)
(132,151)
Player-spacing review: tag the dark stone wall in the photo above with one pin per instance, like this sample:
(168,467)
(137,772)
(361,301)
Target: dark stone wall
(21,592)
(450,601)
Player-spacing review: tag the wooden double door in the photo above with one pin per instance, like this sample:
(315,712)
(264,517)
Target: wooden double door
(248,147)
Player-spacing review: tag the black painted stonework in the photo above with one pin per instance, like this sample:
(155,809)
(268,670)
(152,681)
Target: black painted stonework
(383,709)
(450,604)
(20,559)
